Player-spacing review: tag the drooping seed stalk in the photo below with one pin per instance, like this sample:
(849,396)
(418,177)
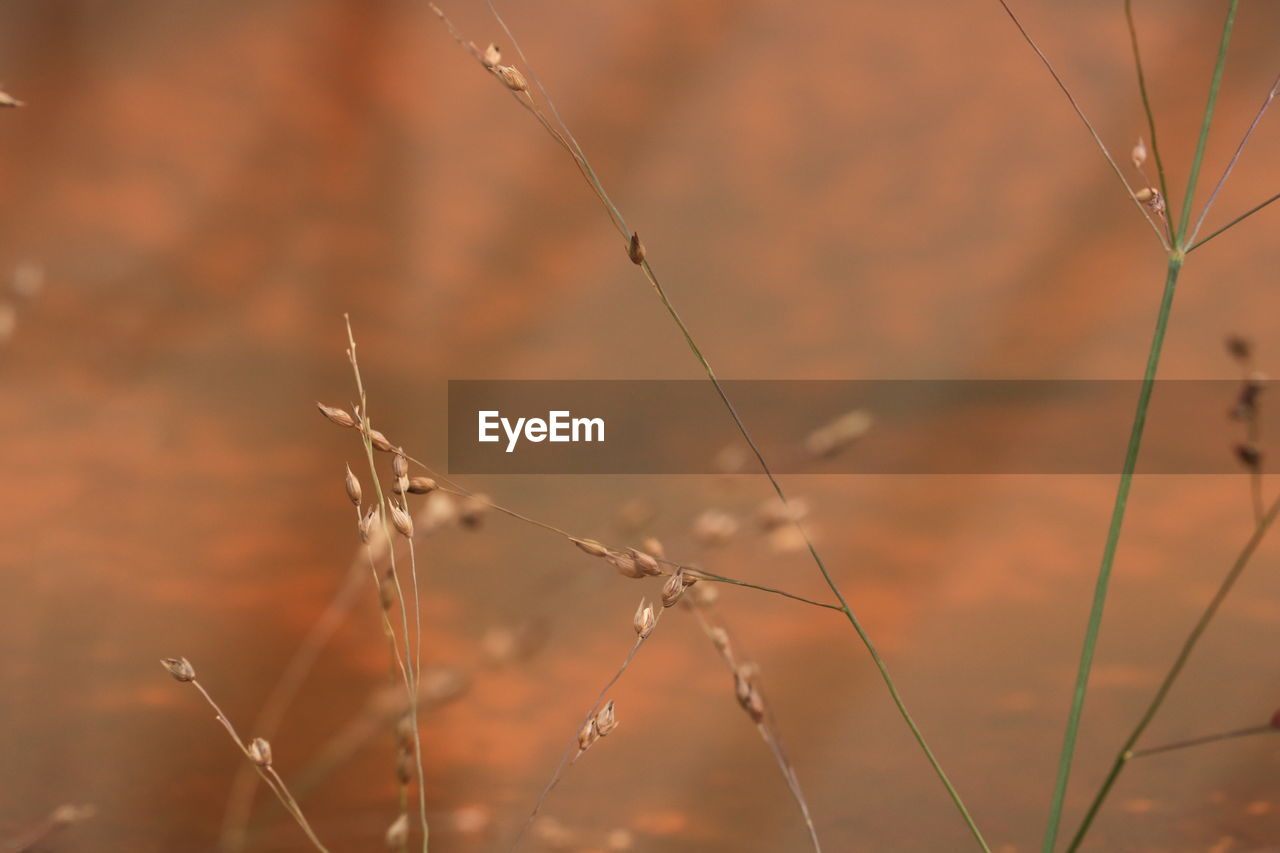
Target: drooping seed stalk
(1180,661)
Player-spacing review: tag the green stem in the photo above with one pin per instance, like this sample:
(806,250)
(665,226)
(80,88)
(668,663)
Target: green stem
(1146,100)
(1198,159)
(1109,554)
(1188,646)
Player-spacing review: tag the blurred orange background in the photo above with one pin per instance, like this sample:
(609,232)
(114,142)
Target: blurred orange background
(829,189)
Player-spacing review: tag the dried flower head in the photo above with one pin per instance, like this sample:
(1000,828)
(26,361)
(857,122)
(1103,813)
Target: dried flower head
(588,735)
(260,752)
(399,464)
(1139,153)
(367,523)
(179,668)
(421,485)
(398,832)
(625,564)
(645,619)
(673,588)
(402,521)
(647,564)
(635,249)
(380,441)
(353,487)
(592,547)
(491,57)
(339,416)
(606,719)
(511,75)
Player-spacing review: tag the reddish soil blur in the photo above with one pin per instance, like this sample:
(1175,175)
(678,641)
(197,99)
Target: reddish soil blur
(830,190)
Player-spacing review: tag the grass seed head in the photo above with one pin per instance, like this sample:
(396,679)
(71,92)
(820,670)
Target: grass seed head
(635,249)
(402,521)
(421,485)
(180,668)
(353,487)
(367,523)
(592,547)
(492,57)
(380,442)
(260,752)
(339,416)
(647,564)
(673,588)
(625,564)
(399,464)
(1139,153)
(588,735)
(471,511)
(511,75)
(606,719)
(644,620)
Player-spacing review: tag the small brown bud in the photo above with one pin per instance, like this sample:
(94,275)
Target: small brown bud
(353,487)
(179,668)
(491,57)
(399,464)
(592,547)
(1249,455)
(380,442)
(635,249)
(402,521)
(673,588)
(511,75)
(588,735)
(260,752)
(606,720)
(625,565)
(366,524)
(421,485)
(404,732)
(338,416)
(648,565)
(644,620)
(398,832)
(1145,194)
(1139,153)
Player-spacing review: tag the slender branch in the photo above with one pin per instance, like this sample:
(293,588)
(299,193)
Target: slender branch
(1199,741)
(1184,654)
(1108,557)
(1196,161)
(1226,173)
(1250,212)
(1075,105)
(1146,101)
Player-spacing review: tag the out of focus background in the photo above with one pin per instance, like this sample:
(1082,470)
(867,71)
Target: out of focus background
(830,189)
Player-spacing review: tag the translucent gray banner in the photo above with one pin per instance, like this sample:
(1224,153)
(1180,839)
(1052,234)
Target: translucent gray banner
(844,427)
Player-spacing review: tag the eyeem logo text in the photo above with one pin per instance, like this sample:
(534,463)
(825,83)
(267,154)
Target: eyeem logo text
(559,426)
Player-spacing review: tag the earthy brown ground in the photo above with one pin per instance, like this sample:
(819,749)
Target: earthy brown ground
(832,189)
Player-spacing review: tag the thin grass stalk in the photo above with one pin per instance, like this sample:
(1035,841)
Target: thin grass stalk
(1200,741)
(411,685)
(1075,105)
(1180,661)
(1198,159)
(1146,101)
(616,218)
(1235,157)
(1234,222)
(1109,555)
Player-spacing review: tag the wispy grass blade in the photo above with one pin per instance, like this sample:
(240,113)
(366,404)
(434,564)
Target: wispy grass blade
(1198,159)
(1179,662)
(1250,212)
(1235,157)
(1146,99)
(1075,105)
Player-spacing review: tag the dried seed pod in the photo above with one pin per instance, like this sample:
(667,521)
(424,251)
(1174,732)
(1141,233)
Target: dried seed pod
(588,735)
(673,588)
(591,547)
(471,511)
(179,668)
(1145,195)
(380,442)
(714,527)
(367,523)
(1249,455)
(421,485)
(491,57)
(645,619)
(402,521)
(400,485)
(338,416)
(648,565)
(353,487)
(1240,348)
(625,565)
(606,721)
(1139,153)
(635,249)
(399,464)
(511,75)
(398,832)
(260,752)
